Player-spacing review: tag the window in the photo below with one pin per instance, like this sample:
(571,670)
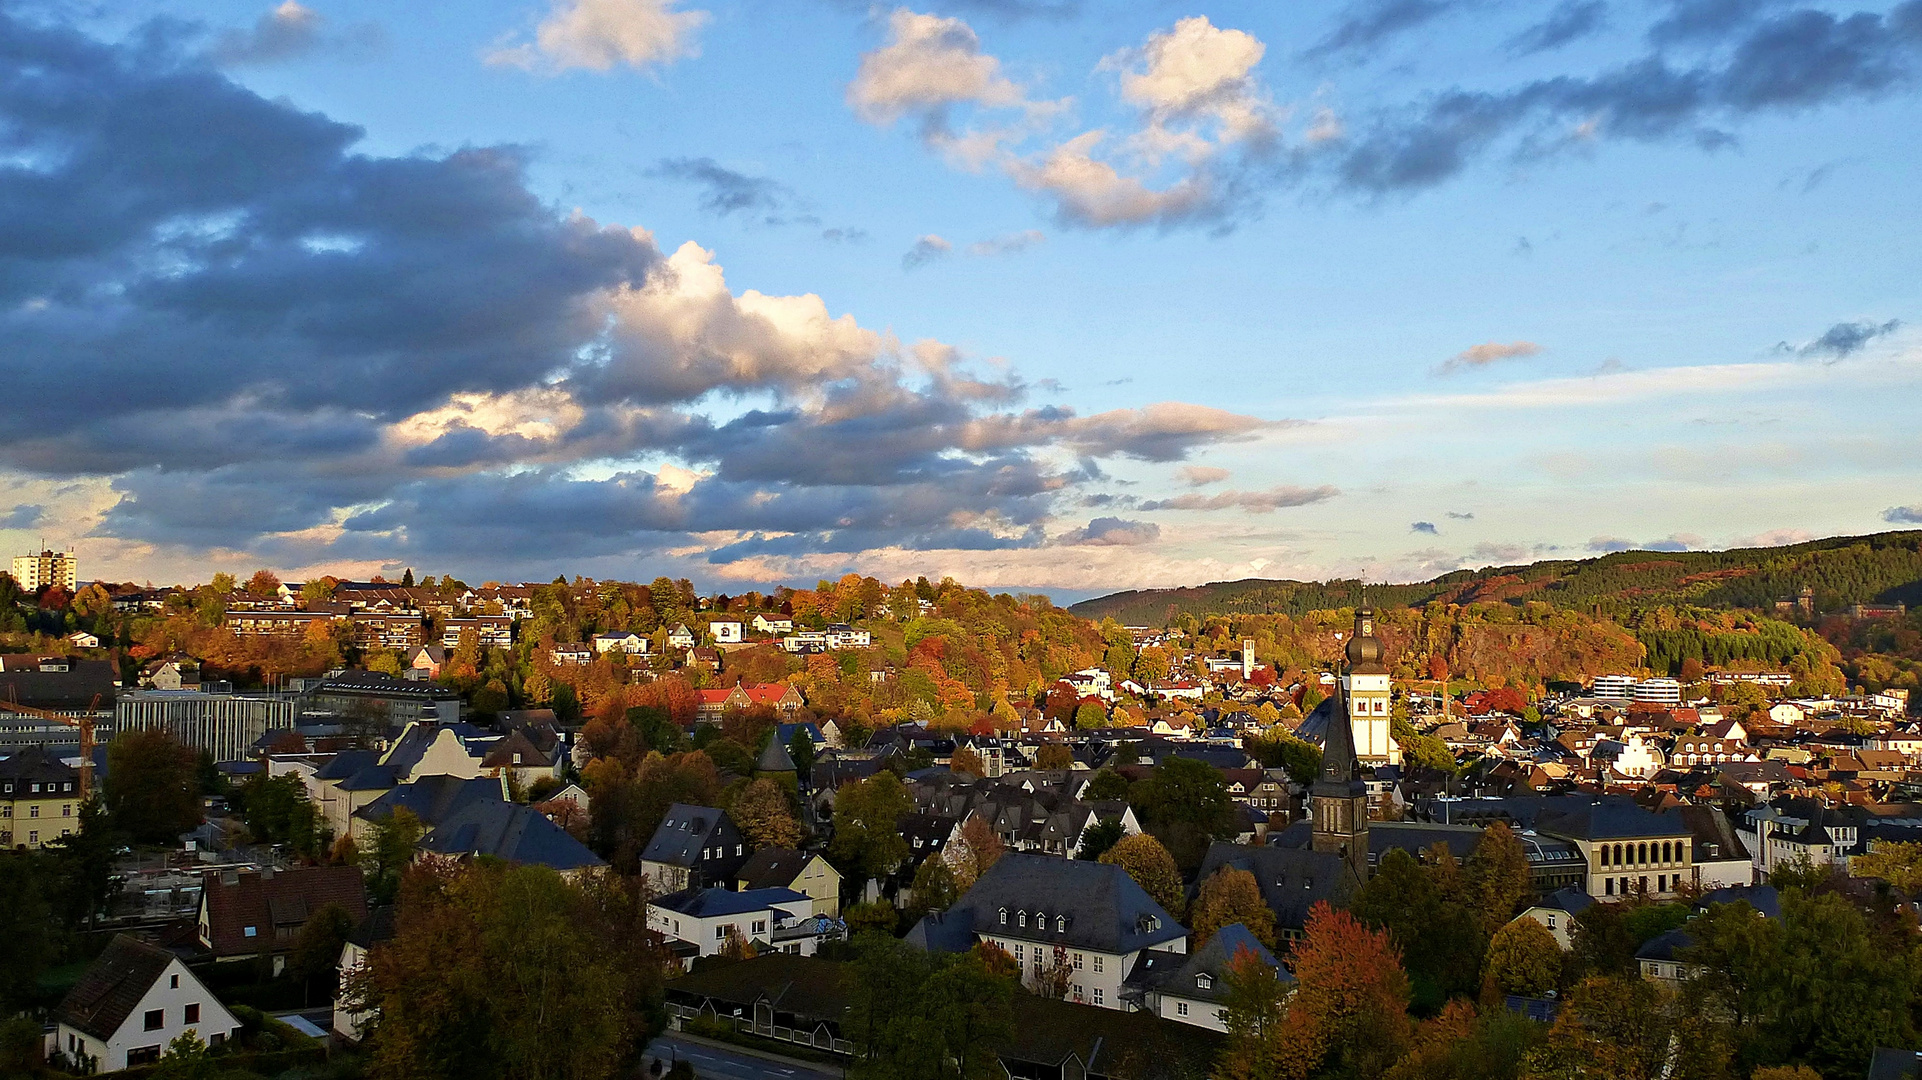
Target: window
(1608,887)
(1060,924)
(145,1055)
(192,1014)
(34,810)
(173,982)
(1551,920)
(1022,917)
(1204,982)
(1004,916)
(249,931)
(1221,1016)
(1181,1008)
(1097,995)
(156,1019)
(1097,968)
(760,926)
(1077,961)
(737,849)
(1604,854)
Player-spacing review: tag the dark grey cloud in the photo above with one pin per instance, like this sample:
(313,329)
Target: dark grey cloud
(1571,20)
(23,516)
(725,191)
(1368,26)
(1688,21)
(925,250)
(290,31)
(1425,527)
(1113,532)
(1253,502)
(1903,515)
(1773,63)
(1843,339)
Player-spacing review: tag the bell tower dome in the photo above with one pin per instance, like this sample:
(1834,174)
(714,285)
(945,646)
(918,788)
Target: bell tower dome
(1365,689)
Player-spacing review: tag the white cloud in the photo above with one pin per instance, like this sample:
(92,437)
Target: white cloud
(1007,245)
(1195,74)
(600,34)
(1203,475)
(927,64)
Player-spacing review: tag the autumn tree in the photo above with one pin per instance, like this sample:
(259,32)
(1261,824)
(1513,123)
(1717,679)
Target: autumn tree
(1421,909)
(1264,1042)
(1524,958)
(1054,756)
(1151,867)
(762,812)
(1353,994)
(970,856)
(1897,862)
(263,585)
(152,791)
(867,840)
(1185,803)
(1231,896)
(965,760)
(1629,1028)
(1498,876)
(920,1014)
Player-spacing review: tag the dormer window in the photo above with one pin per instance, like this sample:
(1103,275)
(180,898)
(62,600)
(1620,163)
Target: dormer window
(1204,982)
(1023,917)
(1060,924)
(1004,916)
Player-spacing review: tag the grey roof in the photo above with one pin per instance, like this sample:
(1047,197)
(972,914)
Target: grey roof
(771,868)
(1664,946)
(682,834)
(509,831)
(715,902)
(1104,910)
(944,931)
(1572,900)
(1204,975)
(415,741)
(1608,820)
(112,986)
(347,763)
(774,758)
(435,799)
(1893,1064)
(1763,898)
(1292,879)
(71,690)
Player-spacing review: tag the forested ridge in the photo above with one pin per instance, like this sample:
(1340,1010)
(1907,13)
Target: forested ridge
(1843,570)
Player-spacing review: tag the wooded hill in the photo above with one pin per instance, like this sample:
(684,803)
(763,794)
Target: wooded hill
(1842,570)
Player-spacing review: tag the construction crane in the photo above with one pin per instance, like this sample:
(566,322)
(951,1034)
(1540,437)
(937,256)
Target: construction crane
(84,723)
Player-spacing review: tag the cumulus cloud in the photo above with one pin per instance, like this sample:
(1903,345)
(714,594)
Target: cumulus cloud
(1843,340)
(26,516)
(1113,532)
(1480,356)
(1203,475)
(600,34)
(1903,515)
(1253,502)
(1009,244)
(1425,527)
(928,65)
(1570,20)
(925,250)
(310,353)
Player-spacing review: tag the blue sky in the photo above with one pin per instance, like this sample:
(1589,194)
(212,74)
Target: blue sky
(1055,295)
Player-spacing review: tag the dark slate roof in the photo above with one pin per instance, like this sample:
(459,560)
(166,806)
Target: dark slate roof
(266,900)
(813,988)
(772,868)
(1603,820)
(1106,1042)
(774,758)
(943,931)
(714,902)
(1204,977)
(415,741)
(71,690)
(1572,900)
(1892,1064)
(112,986)
(434,799)
(1106,911)
(1664,946)
(347,763)
(373,778)
(1292,879)
(509,831)
(1714,837)
(1763,898)
(32,763)
(377,927)
(682,834)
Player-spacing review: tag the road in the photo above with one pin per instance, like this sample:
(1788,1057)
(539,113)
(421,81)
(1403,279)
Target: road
(713,1062)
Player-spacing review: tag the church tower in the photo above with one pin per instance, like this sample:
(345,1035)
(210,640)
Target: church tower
(1338,800)
(1364,687)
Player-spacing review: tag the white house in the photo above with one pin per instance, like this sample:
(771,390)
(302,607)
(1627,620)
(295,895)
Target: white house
(1787,713)
(1081,924)
(83,640)
(1091,682)
(725,631)
(772,624)
(1556,912)
(680,637)
(843,636)
(627,641)
(703,921)
(1193,989)
(132,1001)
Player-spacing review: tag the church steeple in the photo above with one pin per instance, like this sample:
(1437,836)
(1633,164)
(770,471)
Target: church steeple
(1338,798)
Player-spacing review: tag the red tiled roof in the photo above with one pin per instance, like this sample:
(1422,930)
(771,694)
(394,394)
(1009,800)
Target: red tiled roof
(276,905)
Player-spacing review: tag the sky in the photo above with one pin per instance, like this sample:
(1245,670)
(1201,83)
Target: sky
(1068,296)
